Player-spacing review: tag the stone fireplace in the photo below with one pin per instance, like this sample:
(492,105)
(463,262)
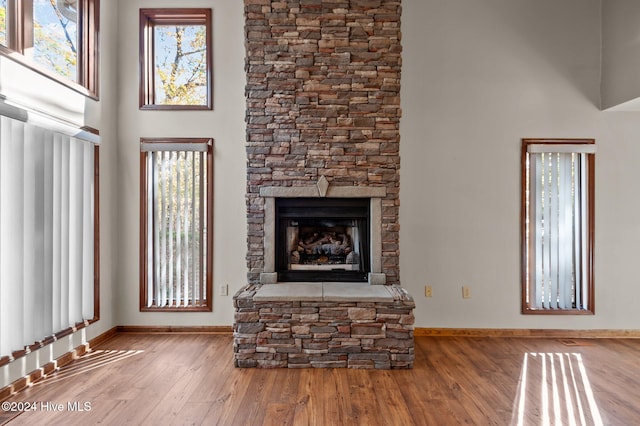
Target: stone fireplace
(323,114)
(322,233)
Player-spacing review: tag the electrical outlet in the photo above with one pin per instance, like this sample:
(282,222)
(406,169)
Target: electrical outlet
(466,292)
(428,291)
(224,290)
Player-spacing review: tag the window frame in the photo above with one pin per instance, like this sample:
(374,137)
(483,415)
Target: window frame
(20,26)
(149,18)
(590,229)
(144,224)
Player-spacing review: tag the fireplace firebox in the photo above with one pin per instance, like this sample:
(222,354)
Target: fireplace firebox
(322,239)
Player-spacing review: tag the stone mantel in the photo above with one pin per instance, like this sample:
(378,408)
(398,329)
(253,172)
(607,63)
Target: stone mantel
(331,191)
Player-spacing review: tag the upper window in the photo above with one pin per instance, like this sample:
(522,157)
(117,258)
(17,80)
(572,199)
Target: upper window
(3,22)
(175,59)
(557,226)
(177,224)
(57,38)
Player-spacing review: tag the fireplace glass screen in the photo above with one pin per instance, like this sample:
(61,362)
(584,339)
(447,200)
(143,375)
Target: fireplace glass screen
(323,245)
(322,239)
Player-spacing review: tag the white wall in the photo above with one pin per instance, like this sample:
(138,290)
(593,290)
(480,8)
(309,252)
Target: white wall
(620,54)
(225,124)
(478,76)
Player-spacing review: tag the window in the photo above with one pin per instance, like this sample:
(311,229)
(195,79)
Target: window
(57,38)
(176,238)
(175,59)
(3,22)
(49,262)
(557,226)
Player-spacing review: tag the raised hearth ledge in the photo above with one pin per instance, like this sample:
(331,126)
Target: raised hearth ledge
(373,278)
(323,291)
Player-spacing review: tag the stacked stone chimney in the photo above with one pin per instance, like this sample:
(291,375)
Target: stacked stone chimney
(323,99)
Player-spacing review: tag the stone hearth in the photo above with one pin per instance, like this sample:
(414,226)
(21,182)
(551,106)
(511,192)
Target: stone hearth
(322,325)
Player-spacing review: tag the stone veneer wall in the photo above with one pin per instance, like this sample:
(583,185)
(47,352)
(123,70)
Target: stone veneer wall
(323,99)
(321,334)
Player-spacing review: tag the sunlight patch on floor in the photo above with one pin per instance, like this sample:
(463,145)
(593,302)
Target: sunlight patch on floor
(90,361)
(554,389)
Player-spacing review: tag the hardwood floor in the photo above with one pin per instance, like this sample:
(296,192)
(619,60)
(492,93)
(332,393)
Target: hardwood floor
(167,379)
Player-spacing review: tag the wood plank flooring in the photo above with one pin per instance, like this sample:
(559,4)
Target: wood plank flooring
(174,379)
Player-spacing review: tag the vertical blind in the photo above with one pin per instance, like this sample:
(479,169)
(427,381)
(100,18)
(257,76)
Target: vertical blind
(46,233)
(176,234)
(558,227)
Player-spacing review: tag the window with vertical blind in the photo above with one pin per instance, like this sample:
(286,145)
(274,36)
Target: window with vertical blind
(176,238)
(557,225)
(48,231)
